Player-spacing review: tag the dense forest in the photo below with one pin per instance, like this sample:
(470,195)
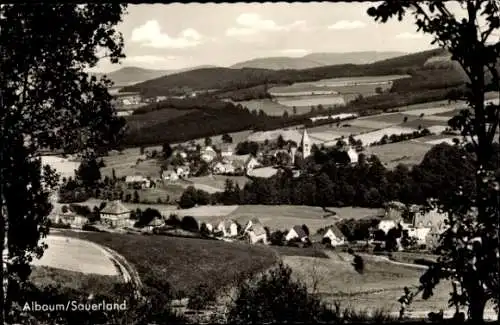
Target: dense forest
(328,181)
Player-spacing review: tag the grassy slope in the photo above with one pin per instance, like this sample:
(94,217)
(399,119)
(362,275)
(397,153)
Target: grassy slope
(43,276)
(185,263)
(221,78)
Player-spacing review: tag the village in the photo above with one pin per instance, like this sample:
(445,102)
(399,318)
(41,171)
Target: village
(399,227)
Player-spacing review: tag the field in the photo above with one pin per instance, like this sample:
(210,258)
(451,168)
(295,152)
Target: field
(371,137)
(125,164)
(283,217)
(405,152)
(77,256)
(379,287)
(43,276)
(271,108)
(342,130)
(185,263)
(218,182)
(63,166)
(308,101)
(287,134)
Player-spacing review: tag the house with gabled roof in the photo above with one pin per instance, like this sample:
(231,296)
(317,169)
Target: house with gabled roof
(255,232)
(115,214)
(393,216)
(335,236)
(228,228)
(297,232)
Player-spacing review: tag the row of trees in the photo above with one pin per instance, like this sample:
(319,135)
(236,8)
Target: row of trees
(326,182)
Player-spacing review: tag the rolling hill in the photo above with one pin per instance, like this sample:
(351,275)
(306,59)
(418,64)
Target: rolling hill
(230,79)
(315,60)
(131,75)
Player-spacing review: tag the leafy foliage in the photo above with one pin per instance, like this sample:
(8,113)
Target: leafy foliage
(469,252)
(49,102)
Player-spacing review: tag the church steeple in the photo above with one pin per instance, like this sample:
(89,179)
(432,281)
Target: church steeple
(305,144)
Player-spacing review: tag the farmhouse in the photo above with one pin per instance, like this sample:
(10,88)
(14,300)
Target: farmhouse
(334,236)
(139,180)
(169,175)
(228,228)
(393,216)
(227,150)
(69,217)
(257,234)
(297,232)
(426,225)
(251,164)
(183,171)
(208,154)
(115,214)
(155,223)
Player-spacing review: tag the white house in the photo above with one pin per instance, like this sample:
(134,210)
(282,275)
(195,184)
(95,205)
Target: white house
(335,236)
(138,179)
(256,233)
(426,224)
(353,155)
(67,218)
(183,171)
(229,228)
(227,150)
(115,214)
(296,233)
(251,164)
(393,216)
(170,175)
(208,154)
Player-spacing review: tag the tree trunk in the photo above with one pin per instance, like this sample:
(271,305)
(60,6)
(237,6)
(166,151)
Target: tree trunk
(476,310)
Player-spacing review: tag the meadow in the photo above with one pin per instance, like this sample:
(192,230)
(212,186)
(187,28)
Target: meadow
(308,101)
(77,256)
(378,287)
(44,276)
(271,108)
(136,122)
(284,217)
(185,263)
(63,166)
(406,152)
(371,137)
(218,181)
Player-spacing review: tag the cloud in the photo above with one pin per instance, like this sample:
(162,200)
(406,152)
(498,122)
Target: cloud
(407,35)
(150,59)
(150,35)
(250,24)
(347,24)
(293,52)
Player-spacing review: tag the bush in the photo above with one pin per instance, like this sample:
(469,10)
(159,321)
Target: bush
(275,297)
(189,223)
(201,297)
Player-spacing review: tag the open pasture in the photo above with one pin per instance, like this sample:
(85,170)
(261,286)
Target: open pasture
(63,166)
(125,165)
(308,101)
(339,82)
(371,137)
(76,255)
(406,152)
(269,107)
(44,276)
(423,122)
(379,287)
(287,134)
(431,111)
(342,130)
(219,181)
(324,136)
(185,263)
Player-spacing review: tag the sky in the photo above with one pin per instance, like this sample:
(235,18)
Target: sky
(176,36)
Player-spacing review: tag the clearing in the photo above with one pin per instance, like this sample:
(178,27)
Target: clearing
(185,263)
(375,136)
(218,181)
(270,107)
(408,153)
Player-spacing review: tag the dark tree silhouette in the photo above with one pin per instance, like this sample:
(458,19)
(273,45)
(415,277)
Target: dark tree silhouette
(166,151)
(48,101)
(469,36)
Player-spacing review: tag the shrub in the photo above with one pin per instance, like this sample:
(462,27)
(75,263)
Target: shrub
(275,297)
(201,297)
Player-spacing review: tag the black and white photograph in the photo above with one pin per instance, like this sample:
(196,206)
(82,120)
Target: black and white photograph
(250,163)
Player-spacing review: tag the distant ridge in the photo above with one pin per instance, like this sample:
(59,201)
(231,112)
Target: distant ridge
(131,75)
(315,60)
